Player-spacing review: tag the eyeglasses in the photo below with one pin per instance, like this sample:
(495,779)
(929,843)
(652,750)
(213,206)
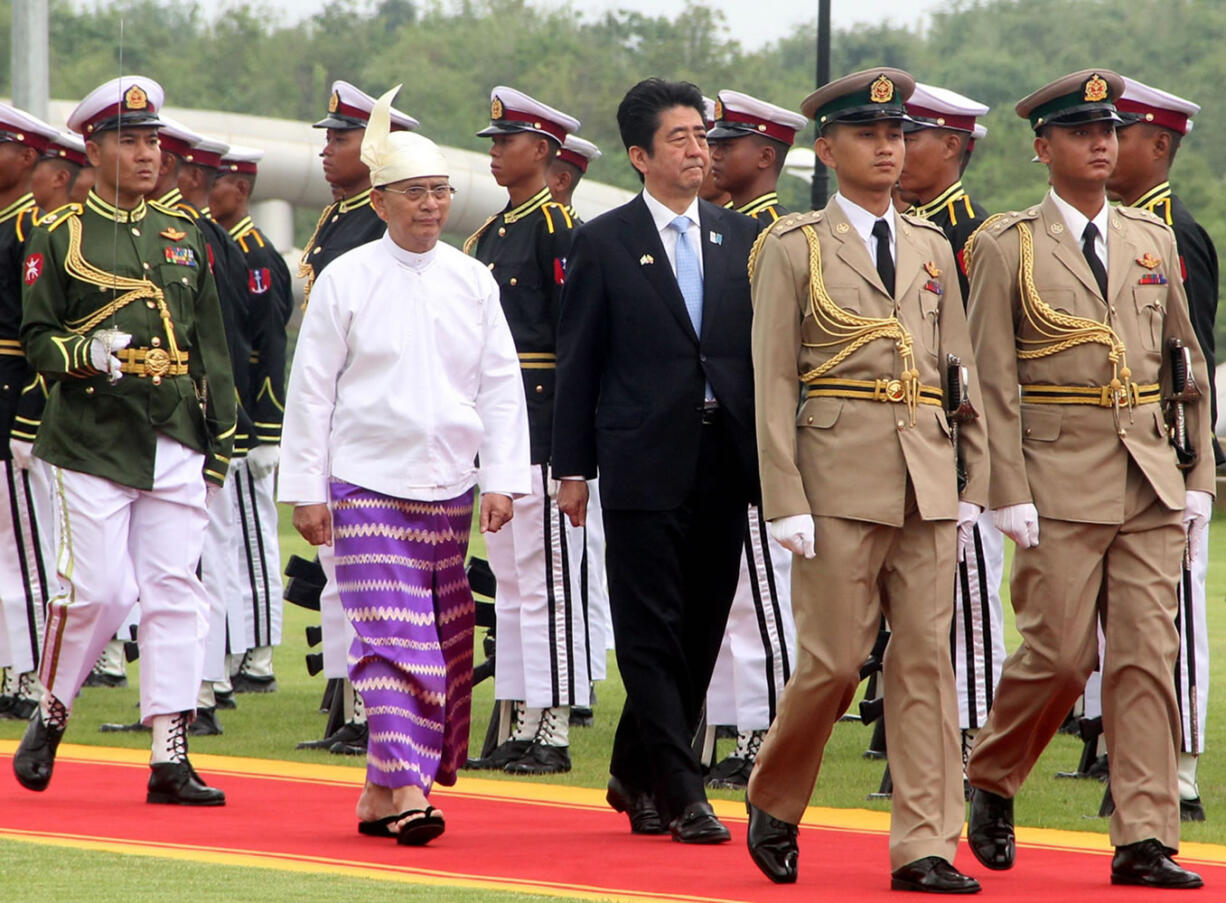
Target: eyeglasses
(418,193)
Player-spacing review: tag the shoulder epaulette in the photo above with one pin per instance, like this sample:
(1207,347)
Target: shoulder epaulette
(1141,214)
(913,220)
(997,223)
(49,219)
(552,209)
(794,221)
(169,211)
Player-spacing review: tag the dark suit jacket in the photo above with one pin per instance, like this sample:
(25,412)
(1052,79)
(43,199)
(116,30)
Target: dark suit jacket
(630,370)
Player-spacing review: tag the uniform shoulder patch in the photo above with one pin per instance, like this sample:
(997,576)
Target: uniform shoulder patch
(169,211)
(56,218)
(921,222)
(793,221)
(1140,214)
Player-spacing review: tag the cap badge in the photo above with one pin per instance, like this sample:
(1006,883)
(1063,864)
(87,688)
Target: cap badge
(334,101)
(932,269)
(719,109)
(135,98)
(882,90)
(1148,260)
(1096,89)
(496,109)
(173,234)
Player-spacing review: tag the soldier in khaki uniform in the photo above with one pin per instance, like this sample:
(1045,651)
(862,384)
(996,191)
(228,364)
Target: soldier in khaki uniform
(1084,479)
(862,306)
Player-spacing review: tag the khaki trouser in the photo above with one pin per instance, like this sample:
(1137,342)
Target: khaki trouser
(860,570)
(1055,591)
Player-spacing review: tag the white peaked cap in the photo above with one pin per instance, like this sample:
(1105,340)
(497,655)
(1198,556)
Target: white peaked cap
(393,156)
(931,106)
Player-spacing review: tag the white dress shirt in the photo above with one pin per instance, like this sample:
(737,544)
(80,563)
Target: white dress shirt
(1076,221)
(862,221)
(662,216)
(405,371)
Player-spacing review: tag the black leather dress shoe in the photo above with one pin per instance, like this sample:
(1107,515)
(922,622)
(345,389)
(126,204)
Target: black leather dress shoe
(698,824)
(772,845)
(541,759)
(1149,863)
(349,732)
(246,683)
(500,757)
(933,875)
(640,806)
(177,784)
(989,832)
(35,756)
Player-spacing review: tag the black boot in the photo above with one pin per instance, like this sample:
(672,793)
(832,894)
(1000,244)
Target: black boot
(35,756)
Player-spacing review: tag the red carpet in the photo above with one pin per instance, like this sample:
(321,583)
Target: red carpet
(511,836)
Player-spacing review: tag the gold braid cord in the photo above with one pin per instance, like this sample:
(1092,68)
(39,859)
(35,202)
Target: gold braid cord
(1061,331)
(471,241)
(133,290)
(968,248)
(305,269)
(853,332)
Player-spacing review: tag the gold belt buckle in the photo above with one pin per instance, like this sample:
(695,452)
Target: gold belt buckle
(157,362)
(894,390)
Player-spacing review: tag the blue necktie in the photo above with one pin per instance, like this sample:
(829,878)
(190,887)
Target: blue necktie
(689,276)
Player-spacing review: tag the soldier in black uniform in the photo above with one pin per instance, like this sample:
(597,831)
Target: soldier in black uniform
(541,653)
(749,142)
(347,222)
(189,167)
(567,168)
(940,139)
(253,477)
(1154,125)
(25,556)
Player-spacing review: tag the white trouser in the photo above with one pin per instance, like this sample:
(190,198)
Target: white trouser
(219,574)
(27,572)
(978,635)
(113,545)
(759,647)
(338,633)
(1192,666)
(259,555)
(541,637)
(596,613)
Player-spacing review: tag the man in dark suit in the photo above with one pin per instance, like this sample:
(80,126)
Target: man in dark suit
(655,391)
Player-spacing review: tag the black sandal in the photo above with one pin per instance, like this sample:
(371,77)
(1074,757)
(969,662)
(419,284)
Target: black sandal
(420,831)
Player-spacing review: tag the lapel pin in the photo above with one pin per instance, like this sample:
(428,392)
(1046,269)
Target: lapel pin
(1148,260)
(716,238)
(646,259)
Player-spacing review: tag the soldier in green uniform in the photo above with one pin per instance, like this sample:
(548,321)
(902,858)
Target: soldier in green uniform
(121,317)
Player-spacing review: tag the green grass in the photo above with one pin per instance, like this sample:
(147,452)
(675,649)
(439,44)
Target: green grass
(268,726)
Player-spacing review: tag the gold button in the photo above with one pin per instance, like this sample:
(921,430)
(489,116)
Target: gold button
(514,281)
(902,424)
(89,390)
(317,250)
(145,265)
(1123,433)
(155,342)
(491,266)
(335,218)
(136,231)
(540,389)
(1027,431)
(157,380)
(150,304)
(810,420)
(502,230)
(185,282)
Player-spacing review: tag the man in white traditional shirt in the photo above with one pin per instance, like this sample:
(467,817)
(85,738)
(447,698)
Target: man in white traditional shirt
(404,373)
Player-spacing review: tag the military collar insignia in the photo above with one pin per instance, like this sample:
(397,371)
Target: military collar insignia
(882,90)
(540,199)
(1095,89)
(932,269)
(948,196)
(26,200)
(113,213)
(1149,261)
(361,199)
(173,234)
(135,99)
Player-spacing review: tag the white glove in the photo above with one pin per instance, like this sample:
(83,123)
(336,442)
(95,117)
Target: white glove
(968,513)
(262,460)
(1020,523)
(21,451)
(795,533)
(102,352)
(1197,509)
